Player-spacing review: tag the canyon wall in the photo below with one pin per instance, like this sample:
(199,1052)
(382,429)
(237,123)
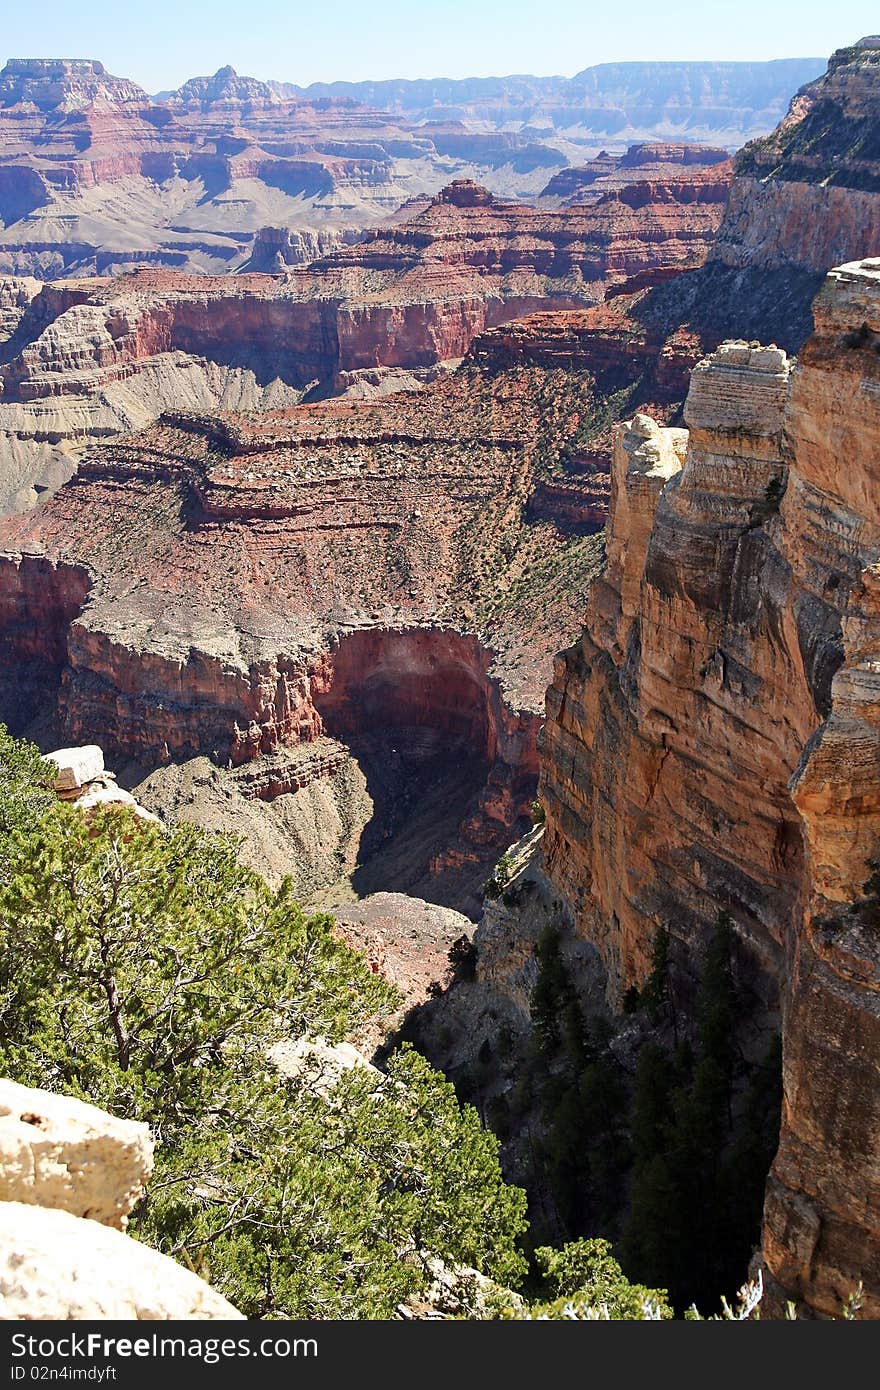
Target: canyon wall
(711,743)
(804,198)
(87,359)
(97,176)
(239,588)
(724,102)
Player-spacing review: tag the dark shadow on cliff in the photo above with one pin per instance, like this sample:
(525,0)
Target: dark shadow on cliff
(423,786)
(719,302)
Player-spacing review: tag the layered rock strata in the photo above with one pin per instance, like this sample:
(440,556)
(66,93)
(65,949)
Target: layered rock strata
(711,744)
(803,199)
(96,176)
(697,169)
(725,103)
(88,359)
(234,587)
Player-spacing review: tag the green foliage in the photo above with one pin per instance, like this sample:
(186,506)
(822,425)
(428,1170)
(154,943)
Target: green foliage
(327,1206)
(26,781)
(136,962)
(501,876)
(149,972)
(463,958)
(655,995)
(632,1000)
(698,1173)
(552,992)
(538,814)
(585,1274)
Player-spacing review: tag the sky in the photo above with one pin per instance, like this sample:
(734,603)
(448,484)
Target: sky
(160,43)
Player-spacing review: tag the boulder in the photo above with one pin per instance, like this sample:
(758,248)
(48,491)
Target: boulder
(59,1152)
(57,1266)
(76,766)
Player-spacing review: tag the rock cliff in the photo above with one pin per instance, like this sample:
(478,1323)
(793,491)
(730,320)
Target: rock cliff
(96,176)
(722,102)
(711,743)
(366,573)
(86,359)
(650,161)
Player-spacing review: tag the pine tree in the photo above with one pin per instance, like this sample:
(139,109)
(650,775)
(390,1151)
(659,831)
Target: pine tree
(552,993)
(655,996)
(145,970)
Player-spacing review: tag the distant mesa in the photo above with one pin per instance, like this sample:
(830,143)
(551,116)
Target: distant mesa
(98,177)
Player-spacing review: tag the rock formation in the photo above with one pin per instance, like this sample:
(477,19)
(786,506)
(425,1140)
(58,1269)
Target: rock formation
(82,780)
(69,1176)
(96,176)
(711,743)
(365,573)
(803,199)
(59,1152)
(726,103)
(92,358)
(701,168)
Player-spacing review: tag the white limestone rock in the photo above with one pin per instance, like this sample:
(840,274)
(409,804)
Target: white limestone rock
(59,1267)
(76,766)
(56,1151)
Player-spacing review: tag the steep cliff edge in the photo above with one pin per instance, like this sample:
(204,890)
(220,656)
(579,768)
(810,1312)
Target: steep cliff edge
(712,743)
(804,198)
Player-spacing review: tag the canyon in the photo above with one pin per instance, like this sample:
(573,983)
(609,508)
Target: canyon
(89,358)
(242,587)
(96,176)
(298,546)
(723,103)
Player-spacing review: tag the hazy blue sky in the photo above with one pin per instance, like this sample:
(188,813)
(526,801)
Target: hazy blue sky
(160,43)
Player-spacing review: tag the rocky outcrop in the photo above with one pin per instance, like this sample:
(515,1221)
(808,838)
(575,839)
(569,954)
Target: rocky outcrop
(68,84)
(82,780)
(59,1152)
(699,171)
(710,744)
(803,199)
(405,940)
(276,248)
(69,1176)
(55,1267)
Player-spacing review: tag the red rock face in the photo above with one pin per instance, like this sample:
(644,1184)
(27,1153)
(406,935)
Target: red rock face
(702,167)
(623,352)
(120,179)
(711,742)
(111,353)
(338,569)
(440,680)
